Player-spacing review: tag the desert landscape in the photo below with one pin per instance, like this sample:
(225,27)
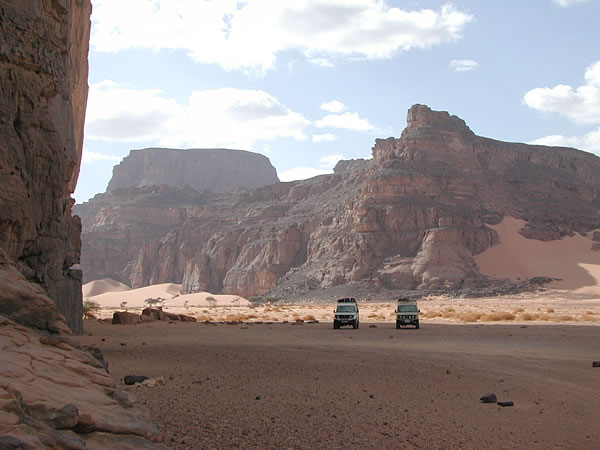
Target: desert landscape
(188,300)
(307,385)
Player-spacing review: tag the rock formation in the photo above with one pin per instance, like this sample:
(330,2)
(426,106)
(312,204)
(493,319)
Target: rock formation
(413,217)
(53,392)
(216,170)
(43,92)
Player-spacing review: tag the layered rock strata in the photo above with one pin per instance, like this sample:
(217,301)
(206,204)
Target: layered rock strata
(43,93)
(413,217)
(53,393)
(217,170)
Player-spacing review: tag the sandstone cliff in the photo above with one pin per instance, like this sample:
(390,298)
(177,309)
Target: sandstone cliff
(53,392)
(413,217)
(43,92)
(216,170)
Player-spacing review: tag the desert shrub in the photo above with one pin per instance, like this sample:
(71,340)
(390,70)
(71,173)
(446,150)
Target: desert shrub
(272,299)
(518,310)
(497,316)
(255,299)
(564,318)
(430,314)
(90,308)
(588,318)
(469,317)
(309,317)
(372,316)
(550,310)
(589,313)
(152,301)
(211,300)
(528,316)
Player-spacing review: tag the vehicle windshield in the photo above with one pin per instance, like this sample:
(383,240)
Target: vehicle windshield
(407,308)
(346,308)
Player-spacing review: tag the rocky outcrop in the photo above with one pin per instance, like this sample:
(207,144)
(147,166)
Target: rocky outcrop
(413,217)
(43,92)
(53,392)
(217,170)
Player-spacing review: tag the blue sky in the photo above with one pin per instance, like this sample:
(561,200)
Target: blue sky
(308,82)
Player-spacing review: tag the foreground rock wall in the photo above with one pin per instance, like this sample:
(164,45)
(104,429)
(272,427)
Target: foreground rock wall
(413,217)
(43,93)
(53,392)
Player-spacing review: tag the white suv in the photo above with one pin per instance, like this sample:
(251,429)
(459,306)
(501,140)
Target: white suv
(407,313)
(347,313)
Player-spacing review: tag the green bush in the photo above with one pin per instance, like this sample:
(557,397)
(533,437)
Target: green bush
(90,308)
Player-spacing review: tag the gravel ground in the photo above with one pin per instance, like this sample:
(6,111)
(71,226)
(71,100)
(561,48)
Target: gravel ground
(308,386)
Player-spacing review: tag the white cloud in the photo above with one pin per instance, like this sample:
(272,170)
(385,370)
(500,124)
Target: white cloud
(463,65)
(348,121)
(249,35)
(580,105)
(589,142)
(225,117)
(321,62)
(326,163)
(334,106)
(302,173)
(327,137)
(567,3)
(88,157)
(330,161)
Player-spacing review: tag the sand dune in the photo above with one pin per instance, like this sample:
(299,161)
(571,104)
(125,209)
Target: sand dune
(98,287)
(111,294)
(135,298)
(570,259)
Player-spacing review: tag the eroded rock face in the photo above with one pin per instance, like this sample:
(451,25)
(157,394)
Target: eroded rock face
(54,394)
(217,170)
(413,217)
(43,93)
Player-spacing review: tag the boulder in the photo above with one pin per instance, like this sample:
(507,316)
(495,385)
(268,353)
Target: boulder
(488,398)
(133,379)
(154,313)
(125,318)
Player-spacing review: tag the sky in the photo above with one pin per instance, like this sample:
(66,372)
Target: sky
(310,82)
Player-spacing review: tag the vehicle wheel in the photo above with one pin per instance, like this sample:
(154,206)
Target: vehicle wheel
(417,325)
(336,325)
(358,324)
(397,325)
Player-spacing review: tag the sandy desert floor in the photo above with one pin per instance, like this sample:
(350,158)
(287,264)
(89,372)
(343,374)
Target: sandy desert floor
(282,385)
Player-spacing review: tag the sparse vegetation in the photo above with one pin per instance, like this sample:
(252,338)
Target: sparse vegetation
(212,302)
(152,301)
(90,309)
(255,299)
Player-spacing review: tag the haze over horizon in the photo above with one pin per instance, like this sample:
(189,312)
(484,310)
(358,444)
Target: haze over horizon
(310,82)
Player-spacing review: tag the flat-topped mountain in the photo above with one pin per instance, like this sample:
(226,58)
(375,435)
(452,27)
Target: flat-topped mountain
(217,170)
(412,217)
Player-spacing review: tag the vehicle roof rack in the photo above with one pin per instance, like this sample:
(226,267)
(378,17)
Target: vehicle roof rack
(347,300)
(404,299)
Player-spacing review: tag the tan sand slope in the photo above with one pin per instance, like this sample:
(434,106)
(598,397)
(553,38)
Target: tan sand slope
(104,293)
(135,298)
(102,286)
(570,259)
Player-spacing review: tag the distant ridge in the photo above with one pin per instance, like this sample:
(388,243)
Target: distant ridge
(217,170)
